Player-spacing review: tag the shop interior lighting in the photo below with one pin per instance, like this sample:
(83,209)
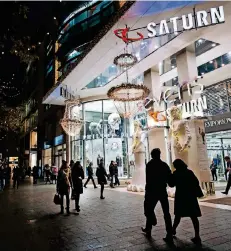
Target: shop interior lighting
(2,52)
(48,33)
(54,18)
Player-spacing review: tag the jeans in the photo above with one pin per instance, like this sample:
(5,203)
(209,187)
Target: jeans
(88,179)
(77,197)
(67,200)
(149,207)
(228,184)
(214,175)
(117,182)
(16,181)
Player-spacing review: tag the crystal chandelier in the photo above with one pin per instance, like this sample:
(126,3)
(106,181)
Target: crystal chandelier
(127,98)
(72,121)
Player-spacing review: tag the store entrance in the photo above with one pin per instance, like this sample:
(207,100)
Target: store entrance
(219,146)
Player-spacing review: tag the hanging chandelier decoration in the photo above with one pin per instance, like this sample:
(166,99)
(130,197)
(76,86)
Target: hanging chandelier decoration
(127,98)
(125,60)
(72,122)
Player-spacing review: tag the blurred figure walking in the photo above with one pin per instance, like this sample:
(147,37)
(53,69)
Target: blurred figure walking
(158,174)
(187,192)
(77,175)
(102,178)
(90,175)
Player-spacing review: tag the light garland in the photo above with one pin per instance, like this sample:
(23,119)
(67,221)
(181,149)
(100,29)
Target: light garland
(125,60)
(128,92)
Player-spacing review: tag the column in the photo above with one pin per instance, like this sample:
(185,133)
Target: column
(196,156)
(158,136)
(186,67)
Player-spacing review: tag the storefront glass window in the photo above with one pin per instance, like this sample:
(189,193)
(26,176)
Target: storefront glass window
(106,137)
(93,133)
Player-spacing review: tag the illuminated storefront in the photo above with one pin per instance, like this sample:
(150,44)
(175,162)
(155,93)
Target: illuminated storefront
(106,136)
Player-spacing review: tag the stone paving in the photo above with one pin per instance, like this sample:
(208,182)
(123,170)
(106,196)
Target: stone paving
(29,221)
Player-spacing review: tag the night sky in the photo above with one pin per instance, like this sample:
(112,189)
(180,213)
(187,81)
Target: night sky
(26,23)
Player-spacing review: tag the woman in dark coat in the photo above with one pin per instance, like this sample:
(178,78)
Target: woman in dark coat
(77,175)
(64,184)
(102,178)
(187,192)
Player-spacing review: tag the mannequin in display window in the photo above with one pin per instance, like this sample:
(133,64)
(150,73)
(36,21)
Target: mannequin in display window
(138,149)
(119,165)
(95,128)
(99,160)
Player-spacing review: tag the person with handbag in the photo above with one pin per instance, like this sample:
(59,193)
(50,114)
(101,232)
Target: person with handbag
(64,183)
(187,192)
(102,178)
(77,175)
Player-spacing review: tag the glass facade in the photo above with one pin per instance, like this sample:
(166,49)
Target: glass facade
(106,136)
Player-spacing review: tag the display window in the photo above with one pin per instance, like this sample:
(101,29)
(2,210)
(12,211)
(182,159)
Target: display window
(106,136)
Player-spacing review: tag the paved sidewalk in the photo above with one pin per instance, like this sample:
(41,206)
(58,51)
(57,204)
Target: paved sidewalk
(30,222)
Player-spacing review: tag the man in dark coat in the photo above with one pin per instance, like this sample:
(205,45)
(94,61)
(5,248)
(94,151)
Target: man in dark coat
(90,175)
(158,175)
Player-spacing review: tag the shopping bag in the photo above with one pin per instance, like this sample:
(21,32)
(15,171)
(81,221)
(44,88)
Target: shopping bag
(57,199)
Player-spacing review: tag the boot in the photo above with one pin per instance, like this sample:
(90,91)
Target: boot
(68,210)
(62,210)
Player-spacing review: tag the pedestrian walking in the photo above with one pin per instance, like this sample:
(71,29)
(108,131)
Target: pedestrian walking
(90,175)
(77,175)
(16,176)
(35,174)
(112,173)
(158,175)
(47,171)
(228,169)
(228,166)
(102,178)
(54,173)
(63,185)
(117,182)
(213,168)
(187,192)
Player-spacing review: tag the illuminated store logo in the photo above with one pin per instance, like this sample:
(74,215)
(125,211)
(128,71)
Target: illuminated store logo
(171,95)
(190,21)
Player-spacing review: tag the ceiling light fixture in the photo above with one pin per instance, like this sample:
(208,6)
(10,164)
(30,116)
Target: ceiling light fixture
(54,18)
(48,33)
(211,61)
(213,45)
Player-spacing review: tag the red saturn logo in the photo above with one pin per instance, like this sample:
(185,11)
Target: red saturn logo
(123,34)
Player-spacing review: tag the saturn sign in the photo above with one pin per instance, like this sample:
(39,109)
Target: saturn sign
(190,21)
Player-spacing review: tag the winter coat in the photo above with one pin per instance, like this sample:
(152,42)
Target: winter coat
(64,181)
(77,175)
(158,175)
(187,191)
(101,175)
